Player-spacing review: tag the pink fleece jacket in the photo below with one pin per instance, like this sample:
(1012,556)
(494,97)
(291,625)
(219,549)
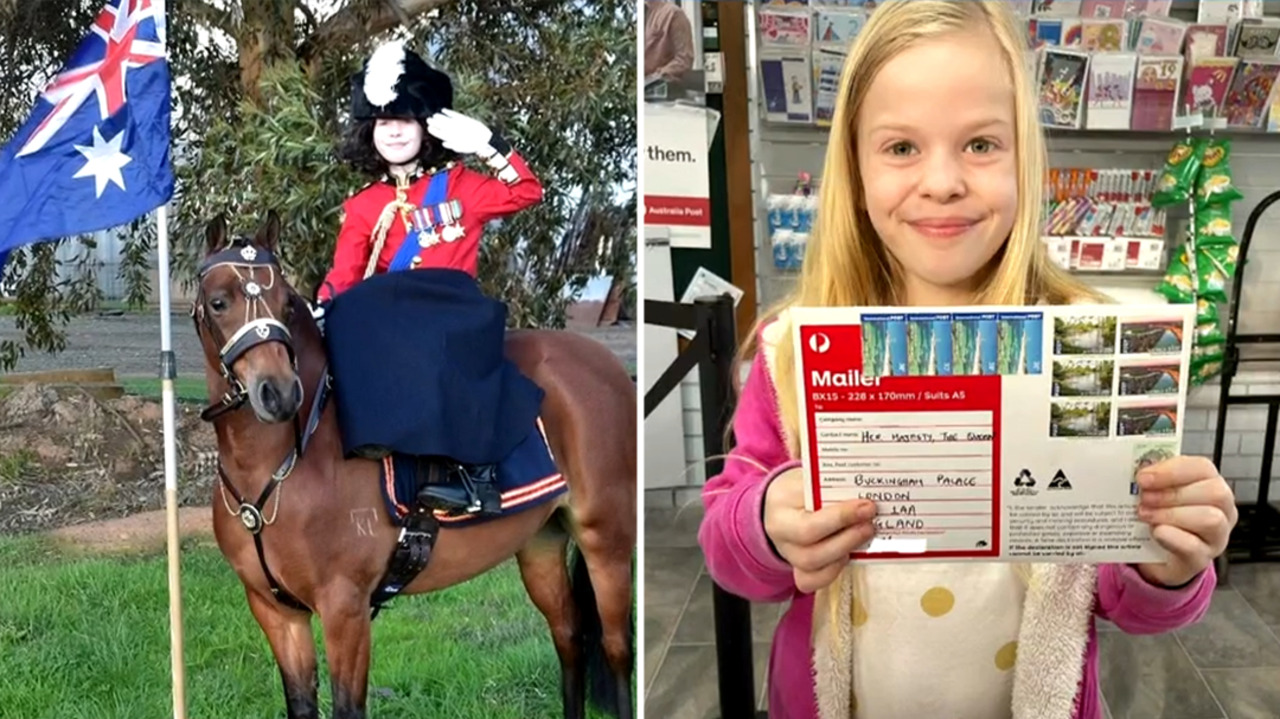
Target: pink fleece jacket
(740,559)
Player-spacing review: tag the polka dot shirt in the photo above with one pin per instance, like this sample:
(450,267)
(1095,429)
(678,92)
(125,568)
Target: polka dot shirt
(936,640)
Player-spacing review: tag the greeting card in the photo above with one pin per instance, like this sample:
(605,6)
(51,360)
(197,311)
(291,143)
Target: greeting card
(1250,94)
(780,27)
(1161,36)
(1104,35)
(1110,98)
(1208,80)
(1062,80)
(1155,93)
(1205,41)
(838,27)
(1058,8)
(1103,8)
(1257,39)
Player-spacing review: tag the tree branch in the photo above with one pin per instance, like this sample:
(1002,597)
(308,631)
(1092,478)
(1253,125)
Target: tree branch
(352,22)
(210,15)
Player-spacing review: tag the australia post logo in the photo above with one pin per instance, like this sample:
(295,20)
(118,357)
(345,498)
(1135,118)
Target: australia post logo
(820,342)
(833,356)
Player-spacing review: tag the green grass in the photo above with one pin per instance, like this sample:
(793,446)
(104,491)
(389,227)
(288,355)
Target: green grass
(85,637)
(186,389)
(14,466)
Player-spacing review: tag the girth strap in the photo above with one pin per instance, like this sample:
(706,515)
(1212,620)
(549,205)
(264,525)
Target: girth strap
(411,555)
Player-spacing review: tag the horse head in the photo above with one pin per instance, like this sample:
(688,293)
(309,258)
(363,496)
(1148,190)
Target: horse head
(243,311)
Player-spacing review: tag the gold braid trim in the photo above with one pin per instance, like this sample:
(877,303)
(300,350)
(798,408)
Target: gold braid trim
(388,215)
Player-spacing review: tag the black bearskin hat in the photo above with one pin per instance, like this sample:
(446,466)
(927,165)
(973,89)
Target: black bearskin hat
(396,82)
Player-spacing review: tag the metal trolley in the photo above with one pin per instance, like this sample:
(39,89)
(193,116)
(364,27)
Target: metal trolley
(1257,535)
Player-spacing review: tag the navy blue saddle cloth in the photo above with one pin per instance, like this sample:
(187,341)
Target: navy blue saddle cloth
(526,478)
(418,366)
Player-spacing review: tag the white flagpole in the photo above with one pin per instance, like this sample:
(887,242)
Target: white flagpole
(168,372)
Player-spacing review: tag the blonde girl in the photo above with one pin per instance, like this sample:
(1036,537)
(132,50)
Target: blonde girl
(931,195)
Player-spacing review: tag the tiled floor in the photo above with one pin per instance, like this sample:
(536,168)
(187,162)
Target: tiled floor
(1225,667)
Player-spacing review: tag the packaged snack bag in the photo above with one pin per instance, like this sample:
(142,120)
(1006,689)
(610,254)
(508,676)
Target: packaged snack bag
(1206,362)
(1178,285)
(1215,266)
(1215,186)
(1177,180)
(1209,333)
(1206,311)
(1213,226)
(1206,369)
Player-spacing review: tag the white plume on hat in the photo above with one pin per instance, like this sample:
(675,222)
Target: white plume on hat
(385,67)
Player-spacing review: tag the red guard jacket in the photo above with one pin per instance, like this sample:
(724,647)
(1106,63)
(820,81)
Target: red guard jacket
(482,197)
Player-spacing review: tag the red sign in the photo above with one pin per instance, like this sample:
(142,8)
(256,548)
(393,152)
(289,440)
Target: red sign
(835,382)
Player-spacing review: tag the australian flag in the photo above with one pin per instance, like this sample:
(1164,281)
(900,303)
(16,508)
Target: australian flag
(94,153)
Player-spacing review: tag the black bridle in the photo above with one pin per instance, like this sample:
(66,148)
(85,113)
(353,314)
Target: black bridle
(260,327)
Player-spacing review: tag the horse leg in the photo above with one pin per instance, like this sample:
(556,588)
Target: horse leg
(607,576)
(546,579)
(347,638)
(289,633)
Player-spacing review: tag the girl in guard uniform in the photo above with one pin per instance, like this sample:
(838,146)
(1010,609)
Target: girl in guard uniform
(417,356)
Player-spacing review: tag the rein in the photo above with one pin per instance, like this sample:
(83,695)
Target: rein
(257,330)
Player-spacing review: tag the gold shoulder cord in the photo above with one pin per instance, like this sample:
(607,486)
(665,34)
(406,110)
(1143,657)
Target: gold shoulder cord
(388,215)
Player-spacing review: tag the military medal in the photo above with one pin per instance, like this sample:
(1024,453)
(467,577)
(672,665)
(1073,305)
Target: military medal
(449,213)
(438,222)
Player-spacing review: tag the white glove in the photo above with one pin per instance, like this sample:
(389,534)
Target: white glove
(469,136)
(464,135)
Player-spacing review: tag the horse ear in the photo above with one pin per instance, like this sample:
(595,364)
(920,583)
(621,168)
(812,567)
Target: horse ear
(215,234)
(269,232)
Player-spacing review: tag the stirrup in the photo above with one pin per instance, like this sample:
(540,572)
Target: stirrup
(460,494)
(449,499)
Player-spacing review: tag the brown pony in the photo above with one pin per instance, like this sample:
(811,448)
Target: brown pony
(324,538)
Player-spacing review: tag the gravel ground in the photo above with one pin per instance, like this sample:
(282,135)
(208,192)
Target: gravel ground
(130,343)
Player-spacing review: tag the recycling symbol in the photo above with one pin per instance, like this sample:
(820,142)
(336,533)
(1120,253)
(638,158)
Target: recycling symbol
(1024,479)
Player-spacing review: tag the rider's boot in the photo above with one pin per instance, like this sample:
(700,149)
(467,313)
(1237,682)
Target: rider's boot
(456,489)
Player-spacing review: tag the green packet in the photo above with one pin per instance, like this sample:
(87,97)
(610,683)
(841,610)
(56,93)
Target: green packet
(1209,333)
(1208,326)
(1178,286)
(1215,266)
(1213,226)
(1215,186)
(1206,311)
(1206,369)
(1177,179)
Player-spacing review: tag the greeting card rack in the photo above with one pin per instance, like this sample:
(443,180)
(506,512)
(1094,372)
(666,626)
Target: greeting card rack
(1257,536)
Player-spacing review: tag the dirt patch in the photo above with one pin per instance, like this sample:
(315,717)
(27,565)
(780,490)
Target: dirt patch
(147,531)
(71,458)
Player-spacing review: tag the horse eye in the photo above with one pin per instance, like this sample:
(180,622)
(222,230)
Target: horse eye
(218,305)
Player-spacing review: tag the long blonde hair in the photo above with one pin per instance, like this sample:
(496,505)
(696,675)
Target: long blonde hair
(845,263)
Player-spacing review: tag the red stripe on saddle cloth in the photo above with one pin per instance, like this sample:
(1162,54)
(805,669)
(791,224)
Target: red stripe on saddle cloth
(513,498)
(389,472)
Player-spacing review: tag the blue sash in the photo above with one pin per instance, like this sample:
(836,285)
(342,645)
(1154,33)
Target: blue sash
(436,194)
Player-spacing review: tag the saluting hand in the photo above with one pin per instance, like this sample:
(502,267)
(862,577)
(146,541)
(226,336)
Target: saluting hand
(1191,510)
(462,134)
